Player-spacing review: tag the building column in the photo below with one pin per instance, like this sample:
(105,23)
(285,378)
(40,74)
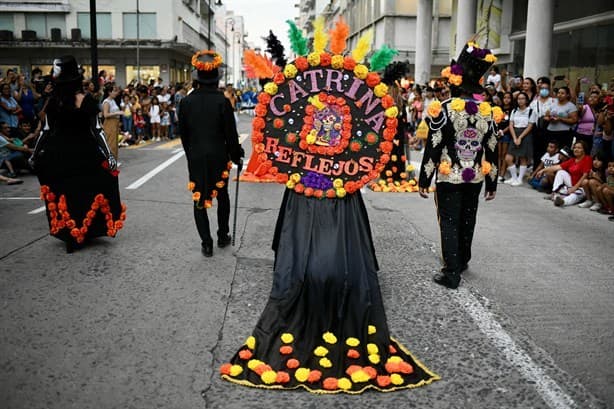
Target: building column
(423,41)
(538,42)
(465,23)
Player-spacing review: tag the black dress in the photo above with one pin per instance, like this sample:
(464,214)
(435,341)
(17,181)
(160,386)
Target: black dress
(324,327)
(81,195)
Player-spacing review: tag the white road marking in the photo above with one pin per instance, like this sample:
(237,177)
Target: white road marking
(177,150)
(155,171)
(549,390)
(36,211)
(20,198)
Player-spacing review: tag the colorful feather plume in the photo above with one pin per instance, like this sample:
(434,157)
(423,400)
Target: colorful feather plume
(260,66)
(338,37)
(363,46)
(298,42)
(320,37)
(381,58)
(276,49)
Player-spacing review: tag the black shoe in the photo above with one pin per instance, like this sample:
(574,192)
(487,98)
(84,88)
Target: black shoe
(447,281)
(207,249)
(224,241)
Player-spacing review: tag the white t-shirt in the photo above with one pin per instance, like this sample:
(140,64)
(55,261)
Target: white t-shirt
(550,160)
(561,111)
(164,98)
(542,107)
(522,119)
(495,79)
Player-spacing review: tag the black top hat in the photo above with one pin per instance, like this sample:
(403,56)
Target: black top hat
(207,66)
(472,63)
(66,69)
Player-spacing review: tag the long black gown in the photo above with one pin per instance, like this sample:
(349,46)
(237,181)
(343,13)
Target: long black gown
(81,196)
(324,327)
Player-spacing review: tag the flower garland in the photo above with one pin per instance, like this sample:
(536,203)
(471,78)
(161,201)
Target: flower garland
(208,203)
(60,217)
(206,66)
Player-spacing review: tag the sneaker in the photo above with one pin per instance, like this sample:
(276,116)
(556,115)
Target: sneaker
(585,204)
(501,179)
(510,181)
(516,183)
(595,207)
(558,201)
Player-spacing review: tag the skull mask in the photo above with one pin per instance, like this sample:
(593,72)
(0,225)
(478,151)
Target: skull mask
(467,144)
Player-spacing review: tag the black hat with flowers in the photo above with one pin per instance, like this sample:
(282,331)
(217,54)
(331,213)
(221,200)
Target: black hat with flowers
(207,64)
(467,71)
(65,69)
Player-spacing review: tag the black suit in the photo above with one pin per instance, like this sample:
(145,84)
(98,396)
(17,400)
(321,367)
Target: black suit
(209,137)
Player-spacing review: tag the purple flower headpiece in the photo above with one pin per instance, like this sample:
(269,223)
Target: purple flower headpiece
(457,69)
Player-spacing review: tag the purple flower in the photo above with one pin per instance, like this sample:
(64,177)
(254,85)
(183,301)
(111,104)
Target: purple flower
(317,181)
(471,107)
(468,174)
(456,69)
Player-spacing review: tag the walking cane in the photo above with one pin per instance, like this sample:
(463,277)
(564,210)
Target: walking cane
(234,219)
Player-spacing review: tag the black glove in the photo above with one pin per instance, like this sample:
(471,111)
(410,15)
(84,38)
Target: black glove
(236,154)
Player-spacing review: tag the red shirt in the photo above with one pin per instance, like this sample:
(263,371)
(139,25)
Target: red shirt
(577,169)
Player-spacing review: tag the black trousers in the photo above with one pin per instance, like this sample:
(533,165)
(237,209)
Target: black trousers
(223,214)
(457,206)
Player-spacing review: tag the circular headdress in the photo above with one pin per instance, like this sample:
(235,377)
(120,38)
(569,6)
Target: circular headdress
(206,65)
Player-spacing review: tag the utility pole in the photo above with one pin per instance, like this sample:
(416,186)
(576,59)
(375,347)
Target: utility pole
(138,48)
(94,42)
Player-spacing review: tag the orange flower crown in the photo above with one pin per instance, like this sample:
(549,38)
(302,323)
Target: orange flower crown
(206,66)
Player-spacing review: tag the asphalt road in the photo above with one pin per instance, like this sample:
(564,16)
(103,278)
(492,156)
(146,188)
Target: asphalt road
(144,321)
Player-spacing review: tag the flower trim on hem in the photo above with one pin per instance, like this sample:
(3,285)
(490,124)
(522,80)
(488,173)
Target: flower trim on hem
(208,203)
(60,217)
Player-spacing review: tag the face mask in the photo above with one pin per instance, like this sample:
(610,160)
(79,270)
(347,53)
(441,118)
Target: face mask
(544,92)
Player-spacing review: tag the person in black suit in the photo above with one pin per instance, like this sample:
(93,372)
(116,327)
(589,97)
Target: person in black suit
(209,136)
(461,149)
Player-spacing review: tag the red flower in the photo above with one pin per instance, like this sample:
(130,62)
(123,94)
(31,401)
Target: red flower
(308,191)
(318,194)
(372,79)
(392,123)
(330,384)
(258,123)
(387,101)
(291,137)
(260,110)
(340,101)
(325,59)
(352,353)
(309,109)
(349,63)
(386,147)
(314,376)
(279,78)
(225,369)
(331,194)
(264,98)
(383,381)
(353,368)
(286,350)
(389,134)
(245,354)
(287,108)
(301,63)
(278,123)
(299,188)
(262,368)
(282,377)
(257,137)
(371,371)
(281,177)
(292,363)
(384,159)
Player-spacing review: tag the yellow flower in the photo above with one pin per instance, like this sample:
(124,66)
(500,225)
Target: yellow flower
(337,62)
(371,329)
(290,71)
(361,71)
(311,137)
(490,58)
(269,377)
(344,383)
(236,370)
(486,168)
(394,360)
(392,112)
(341,192)
(396,379)
(320,351)
(270,88)
(337,183)
(290,184)
(498,114)
(250,342)
(458,104)
(313,59)
(353,342)
(380,90)
(455,79)
(325,363)
(485,109)
(410,168)
(295,177)
(382,182)
(374,359)
(254,363)
(330,338)
(473,44)
(360,376)
(287,338)
(444,168)
(372,349)
(446,72)
(434,109)
(301,374)
(393,158)
(191,186)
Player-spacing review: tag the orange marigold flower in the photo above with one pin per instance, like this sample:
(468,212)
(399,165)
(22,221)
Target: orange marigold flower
(83,230)
(80,239)
(286,349)
(264,98)
(383,380)
(392,367)
(262,368)
(225,174)
(301,63)
(122,216)
(44,189)
(352,353)
(225,369)
(405,367)
(386,146)
(71,224)
(51,206)
(293,363)
(196,196)
(110,224)
(279,78)
(99,198)
(282,377)
(260,110)
(308,192)
(353,368)
(50,197)
(370,371)
(314,376)
(213,194)
(208,204)
(318,194)
(245,354)
(372,79)
(220,184)
(331,194)
(91,214)
(191,185)
(330,384)
(75,232)
(486,168)
(349,63)
(119,224)
(278,123)
(325,59)
(281,178)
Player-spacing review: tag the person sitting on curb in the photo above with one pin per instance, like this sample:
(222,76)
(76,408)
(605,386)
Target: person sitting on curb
(11,154)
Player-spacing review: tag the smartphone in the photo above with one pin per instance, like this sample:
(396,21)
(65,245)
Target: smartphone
(559,78)
(580,98)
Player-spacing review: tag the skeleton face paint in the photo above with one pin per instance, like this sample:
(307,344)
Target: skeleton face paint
(467,144)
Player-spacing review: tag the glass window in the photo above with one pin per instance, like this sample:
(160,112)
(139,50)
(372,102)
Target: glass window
(38,23)
(56,21)
(147,72)
(103,25)
(6,22)
(147,25)
(110,69)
